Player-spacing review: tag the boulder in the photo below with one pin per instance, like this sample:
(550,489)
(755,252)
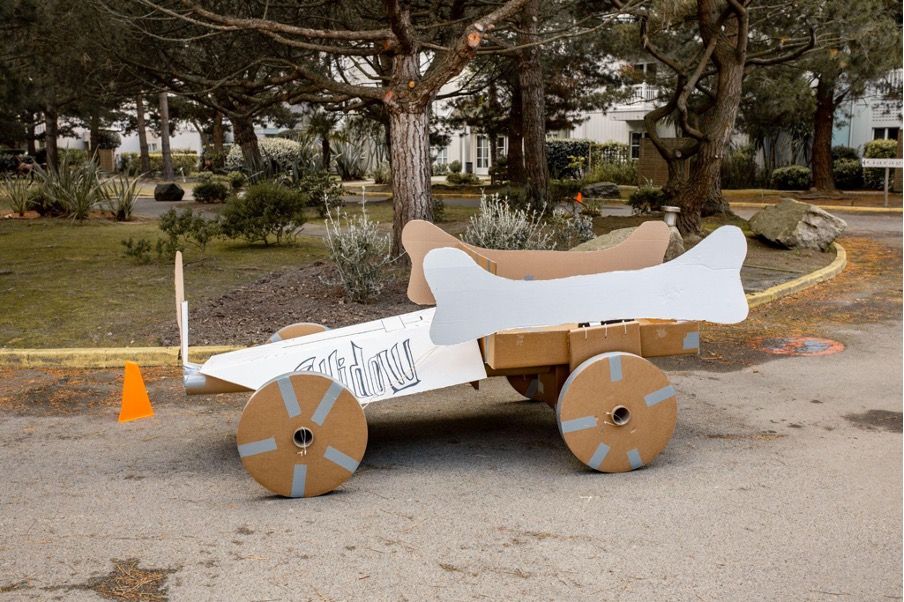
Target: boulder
(793,224)
(676,244)
(601,190)
(606,240)
(168,192)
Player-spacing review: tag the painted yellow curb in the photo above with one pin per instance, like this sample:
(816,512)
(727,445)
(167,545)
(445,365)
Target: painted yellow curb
(804,282)
(829,208)
(115,357)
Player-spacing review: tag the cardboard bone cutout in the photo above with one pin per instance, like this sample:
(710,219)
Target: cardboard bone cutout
(645,247)
(702,284)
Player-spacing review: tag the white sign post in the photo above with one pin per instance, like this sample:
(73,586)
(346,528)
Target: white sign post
(887,164)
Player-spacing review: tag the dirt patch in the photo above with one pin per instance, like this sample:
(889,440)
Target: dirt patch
(128,581)
(877,420)
(250,314)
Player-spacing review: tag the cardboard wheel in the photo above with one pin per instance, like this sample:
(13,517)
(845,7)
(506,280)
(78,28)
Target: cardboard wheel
(616,412)
(298,329)
(302,434)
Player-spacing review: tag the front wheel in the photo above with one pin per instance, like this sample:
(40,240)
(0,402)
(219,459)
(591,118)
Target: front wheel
(616,412)
(302,434)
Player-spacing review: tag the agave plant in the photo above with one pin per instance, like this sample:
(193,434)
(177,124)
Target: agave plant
(351,162)
(17,192)
(119,195)
(72,185)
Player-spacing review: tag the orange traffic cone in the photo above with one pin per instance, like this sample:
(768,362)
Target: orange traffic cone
(135,401)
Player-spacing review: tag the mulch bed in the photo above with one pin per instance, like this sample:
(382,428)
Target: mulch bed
(250,314)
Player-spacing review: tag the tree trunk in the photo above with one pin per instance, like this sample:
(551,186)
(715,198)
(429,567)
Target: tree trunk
(410,157)
(218,140)
(51,131)
(515,143)
(93,134)
(145,157)
(168,173)
(823,122)
(534,110)
(704,183)
(325,151)
(243,128)
(31,149)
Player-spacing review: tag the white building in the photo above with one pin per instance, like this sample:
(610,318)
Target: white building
(874,116)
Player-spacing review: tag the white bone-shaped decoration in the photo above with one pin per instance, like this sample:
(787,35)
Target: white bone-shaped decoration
(702,284)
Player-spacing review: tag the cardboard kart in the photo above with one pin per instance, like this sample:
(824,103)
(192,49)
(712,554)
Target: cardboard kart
(571,329)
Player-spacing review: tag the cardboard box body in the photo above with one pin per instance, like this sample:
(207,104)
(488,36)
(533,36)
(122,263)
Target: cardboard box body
(521,347)
(667,337)
(584,343)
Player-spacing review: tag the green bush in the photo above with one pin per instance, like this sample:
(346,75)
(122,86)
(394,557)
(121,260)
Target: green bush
(139,250)
(646,199)
(185,227)
(382,174)
(74,156)
(618,173)
(236,179)
(265,210)
(791,177)
(184,162)
(569,230)
(739,169)
(439,210)
(440,169)
(360,252)
(844,152)
(848,174)
(462,179)
(563,191)
(500,226)
(322,192)
(561,157)
(210,192)
(455,167)
(280,155)
(874,177)
(499,170)
(614,153)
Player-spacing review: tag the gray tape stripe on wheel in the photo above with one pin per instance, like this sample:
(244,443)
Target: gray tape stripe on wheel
(579,424)
(660,395)
(299,476)
(275,338)
(326,403)
(257,447)
(532,387)
(691,341)
(615,373)
(598,456)
(337,457)
(634,459)
(288,396)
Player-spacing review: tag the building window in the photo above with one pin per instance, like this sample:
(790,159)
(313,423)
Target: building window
(636,137)
(885,133)
(442,156)
(152,147)
(483,152)
(501,146)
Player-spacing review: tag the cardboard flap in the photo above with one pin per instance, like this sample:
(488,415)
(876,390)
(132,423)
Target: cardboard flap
(644,248)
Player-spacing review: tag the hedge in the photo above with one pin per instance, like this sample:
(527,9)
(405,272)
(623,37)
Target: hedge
(187,161)
(874,177)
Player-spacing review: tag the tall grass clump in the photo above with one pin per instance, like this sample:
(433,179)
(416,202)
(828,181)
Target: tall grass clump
(361,254)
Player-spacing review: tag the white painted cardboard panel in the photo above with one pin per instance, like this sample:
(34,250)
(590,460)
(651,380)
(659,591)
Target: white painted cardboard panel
(376,360)
(702,284)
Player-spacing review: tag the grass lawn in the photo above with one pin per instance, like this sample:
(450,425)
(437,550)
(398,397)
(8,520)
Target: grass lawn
(64,284)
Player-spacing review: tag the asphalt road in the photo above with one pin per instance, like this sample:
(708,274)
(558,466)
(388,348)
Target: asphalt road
(783,482)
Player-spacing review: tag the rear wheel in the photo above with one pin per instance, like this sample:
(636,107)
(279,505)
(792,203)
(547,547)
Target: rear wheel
(302,434)
(617,412)
(298,329)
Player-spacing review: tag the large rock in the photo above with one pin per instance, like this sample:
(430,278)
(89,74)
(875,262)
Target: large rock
(168,192)
(676,244)
(606,240)
(793,224)
(601,190)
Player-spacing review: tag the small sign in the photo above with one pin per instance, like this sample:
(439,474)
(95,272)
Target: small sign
(887,163)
